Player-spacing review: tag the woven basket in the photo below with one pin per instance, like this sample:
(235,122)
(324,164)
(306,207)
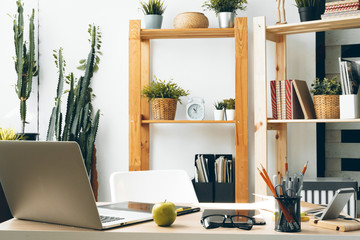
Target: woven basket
(164,108)
(191,20)
(327,106)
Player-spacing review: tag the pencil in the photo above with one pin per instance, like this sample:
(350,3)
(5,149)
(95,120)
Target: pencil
(304,168)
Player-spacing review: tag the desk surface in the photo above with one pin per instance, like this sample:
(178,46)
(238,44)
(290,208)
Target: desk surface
(185,227)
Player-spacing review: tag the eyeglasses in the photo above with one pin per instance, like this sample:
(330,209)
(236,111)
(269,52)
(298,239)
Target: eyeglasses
(219,220)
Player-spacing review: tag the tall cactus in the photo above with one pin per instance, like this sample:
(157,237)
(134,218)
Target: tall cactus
(80,123)
(25,64)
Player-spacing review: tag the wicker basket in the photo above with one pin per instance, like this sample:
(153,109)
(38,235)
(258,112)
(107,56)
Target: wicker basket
(191,20)
(327,106)
(164,108)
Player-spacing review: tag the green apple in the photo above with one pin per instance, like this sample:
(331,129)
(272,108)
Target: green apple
(164,213)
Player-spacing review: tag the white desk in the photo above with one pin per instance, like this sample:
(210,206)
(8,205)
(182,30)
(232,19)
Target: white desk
(186,227)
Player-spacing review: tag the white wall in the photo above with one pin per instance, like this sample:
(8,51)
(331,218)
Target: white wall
(205,67)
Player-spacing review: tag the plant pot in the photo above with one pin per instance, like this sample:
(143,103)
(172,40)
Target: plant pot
(191,20)
(29,136)
(327,106)
(308,14)
(219,114)
(163,108)
(226,19)
(230,114)
(153,21)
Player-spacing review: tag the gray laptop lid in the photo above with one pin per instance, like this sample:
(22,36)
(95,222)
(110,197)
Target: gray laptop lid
(47,181)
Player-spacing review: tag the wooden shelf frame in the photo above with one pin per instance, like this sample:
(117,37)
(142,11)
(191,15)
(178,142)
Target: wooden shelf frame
(278,34)
(139,109)
(187,121)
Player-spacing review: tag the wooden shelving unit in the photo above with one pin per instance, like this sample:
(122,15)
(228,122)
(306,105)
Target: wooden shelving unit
(139,109)
(278,34)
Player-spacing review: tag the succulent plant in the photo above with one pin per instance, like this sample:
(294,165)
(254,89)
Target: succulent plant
(80,124)
(224,5)
(25,64)
(9,134)
(219,105)
(153,7)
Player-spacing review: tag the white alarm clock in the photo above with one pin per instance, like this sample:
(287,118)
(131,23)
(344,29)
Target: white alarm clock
(195,109)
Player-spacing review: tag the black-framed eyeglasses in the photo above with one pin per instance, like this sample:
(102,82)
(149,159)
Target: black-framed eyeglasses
(219,220)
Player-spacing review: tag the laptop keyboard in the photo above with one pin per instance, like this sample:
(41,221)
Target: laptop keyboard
(106,219)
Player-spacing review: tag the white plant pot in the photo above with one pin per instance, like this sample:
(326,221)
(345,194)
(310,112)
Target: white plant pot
(230,114)
(153,21)
(349,106)
(219,115)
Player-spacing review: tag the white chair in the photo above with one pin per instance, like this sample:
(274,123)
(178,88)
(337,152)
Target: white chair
(152,186)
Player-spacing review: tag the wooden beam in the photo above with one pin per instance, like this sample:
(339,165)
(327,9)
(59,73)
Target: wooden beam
(241,115)
(260,96)
(281,134)
(145,106)
(134,96)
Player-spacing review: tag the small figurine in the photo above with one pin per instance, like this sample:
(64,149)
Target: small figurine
(282,2)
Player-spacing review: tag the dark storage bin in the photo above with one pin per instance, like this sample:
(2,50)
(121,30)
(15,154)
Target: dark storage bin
(224,192)
(204,191)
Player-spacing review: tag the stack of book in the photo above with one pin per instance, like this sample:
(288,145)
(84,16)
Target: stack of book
(349,75)
(340,9)
(291,99)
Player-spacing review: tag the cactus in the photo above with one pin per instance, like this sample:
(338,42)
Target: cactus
(25,64)
(80,125)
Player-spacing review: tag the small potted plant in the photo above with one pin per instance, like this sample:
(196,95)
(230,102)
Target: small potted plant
(153,10)
(326,98)
(309,9)
(219,111)
(225,10)
(9,134)
(230,109)
(164,97)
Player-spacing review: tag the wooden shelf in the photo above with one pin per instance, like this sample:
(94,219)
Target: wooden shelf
(139,108)
(187,33)
(314,121)
(263,124)
(185,121)
(311,26)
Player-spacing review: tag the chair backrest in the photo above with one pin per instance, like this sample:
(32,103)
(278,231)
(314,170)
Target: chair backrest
(152,186)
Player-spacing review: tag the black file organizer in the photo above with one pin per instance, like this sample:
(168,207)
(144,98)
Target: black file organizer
(213,191)
(224,192)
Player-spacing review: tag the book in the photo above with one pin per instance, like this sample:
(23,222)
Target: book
(278,99)
(346,14)
(306,102)
(296,111)
(273,99)
(283,98)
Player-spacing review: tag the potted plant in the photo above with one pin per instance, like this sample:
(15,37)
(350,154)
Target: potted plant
(153,10)
(225,10)
(81,121)
(164,97)
(309,9)
(219,110)
(230,109)
(25,64)
(326,98)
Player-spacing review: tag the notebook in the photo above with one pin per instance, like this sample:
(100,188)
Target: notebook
(48,182)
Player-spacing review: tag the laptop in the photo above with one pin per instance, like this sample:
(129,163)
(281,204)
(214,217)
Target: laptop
(48,182)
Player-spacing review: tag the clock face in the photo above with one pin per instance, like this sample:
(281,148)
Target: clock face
(195,111)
